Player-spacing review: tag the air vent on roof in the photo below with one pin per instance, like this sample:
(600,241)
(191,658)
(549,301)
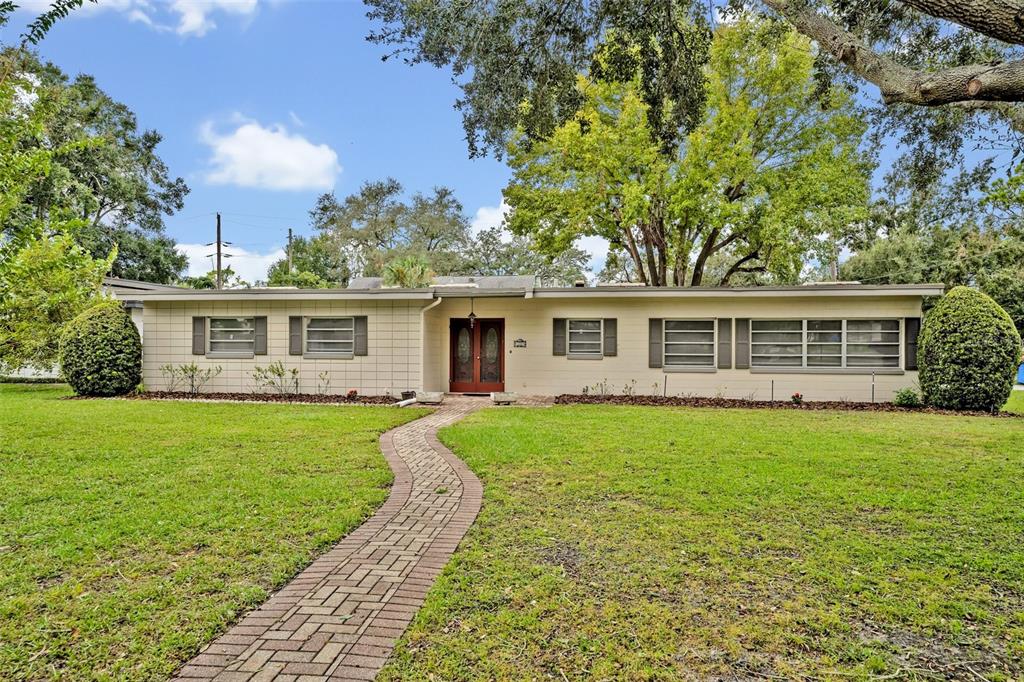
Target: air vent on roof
(580,283)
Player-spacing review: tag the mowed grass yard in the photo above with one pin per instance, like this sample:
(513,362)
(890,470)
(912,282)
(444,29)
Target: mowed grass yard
(131,533)
(620,543)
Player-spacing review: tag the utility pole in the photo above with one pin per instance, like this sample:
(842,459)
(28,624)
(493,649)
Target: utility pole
(220,243)
(289,250)
(220,279)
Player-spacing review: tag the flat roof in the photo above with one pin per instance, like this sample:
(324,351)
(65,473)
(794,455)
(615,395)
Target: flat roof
(461,291)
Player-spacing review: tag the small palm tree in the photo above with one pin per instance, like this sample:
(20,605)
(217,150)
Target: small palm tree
(408,272)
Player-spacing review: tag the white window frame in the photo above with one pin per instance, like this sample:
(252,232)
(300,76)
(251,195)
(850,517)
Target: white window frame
(244,353)
(689,368)
(844,343)
(584,355)
(307,353)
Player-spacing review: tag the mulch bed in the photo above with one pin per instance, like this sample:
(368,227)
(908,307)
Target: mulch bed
(268,397)
(679,401)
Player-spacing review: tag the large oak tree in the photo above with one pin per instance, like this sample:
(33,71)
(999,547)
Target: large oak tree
(772,166)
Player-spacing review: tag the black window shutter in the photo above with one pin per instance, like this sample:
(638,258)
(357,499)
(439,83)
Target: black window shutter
(611,336)
(655,326)
(558,336)
(725,343)
(742,343)
(260,345)
(911,329)
(361,341)
(294,335)
(198,336)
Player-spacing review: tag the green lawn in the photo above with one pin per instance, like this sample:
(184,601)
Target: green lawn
(1016,402)
(131,533)
(656,544)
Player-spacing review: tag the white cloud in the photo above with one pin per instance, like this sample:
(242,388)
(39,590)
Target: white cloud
(184,17)
(195,16)
(488,217)
(268,158)
(249,265)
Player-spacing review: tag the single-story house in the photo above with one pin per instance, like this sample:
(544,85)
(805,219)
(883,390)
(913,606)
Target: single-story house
(480,334)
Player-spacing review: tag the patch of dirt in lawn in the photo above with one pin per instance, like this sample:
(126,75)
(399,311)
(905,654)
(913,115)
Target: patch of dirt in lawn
(934,657)
(684,401)
(565,555)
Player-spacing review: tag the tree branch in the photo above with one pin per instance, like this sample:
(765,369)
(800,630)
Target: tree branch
(738,267)
(1000,19)
(1001,82)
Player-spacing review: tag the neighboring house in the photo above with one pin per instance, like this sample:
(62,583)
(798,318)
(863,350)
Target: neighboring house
(480,334)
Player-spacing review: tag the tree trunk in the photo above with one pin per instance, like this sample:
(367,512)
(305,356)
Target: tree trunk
(702,258)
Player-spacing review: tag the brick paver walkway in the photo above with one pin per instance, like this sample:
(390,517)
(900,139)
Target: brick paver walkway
(339,619)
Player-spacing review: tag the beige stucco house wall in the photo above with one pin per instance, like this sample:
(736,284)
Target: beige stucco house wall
(392,363)
(534,370)
(409,344)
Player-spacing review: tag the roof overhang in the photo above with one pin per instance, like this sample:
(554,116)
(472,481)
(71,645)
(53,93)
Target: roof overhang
(389,294)
(195,295)
(807,291)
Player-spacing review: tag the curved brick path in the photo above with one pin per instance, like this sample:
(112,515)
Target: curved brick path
(339,619)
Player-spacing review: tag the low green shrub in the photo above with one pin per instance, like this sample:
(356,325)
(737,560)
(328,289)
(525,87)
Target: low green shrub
(968,352)
(907,397)
(100,351)
(190,378)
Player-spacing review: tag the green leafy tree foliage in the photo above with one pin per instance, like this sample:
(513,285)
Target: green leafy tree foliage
(961,56)
(101,352)
(772,165)
(408,272)
(376,226)
(493,253)
(961,255)
(229,278)
(968,353)
(117,184)
(46,277)
(45,284)
(516,62)
(945,234)
(313,260)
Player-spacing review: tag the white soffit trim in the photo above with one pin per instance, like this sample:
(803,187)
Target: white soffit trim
(747,292)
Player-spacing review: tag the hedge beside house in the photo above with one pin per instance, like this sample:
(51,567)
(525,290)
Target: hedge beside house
(968,353)
(101,352)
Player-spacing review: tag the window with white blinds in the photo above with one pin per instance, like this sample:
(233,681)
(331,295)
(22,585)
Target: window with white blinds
(330,335)
(824,344)
(689,343)
(232,335)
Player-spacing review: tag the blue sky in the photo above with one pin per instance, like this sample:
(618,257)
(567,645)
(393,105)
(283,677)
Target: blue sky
(265,105)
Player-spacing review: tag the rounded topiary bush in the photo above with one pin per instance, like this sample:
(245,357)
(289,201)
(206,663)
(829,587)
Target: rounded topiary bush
(101,352)
(968,352)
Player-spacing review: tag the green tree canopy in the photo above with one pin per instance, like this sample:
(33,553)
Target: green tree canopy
(117,184)
(315,261)
(230,279)
(773,165)
(492,252)
(46,277)
(408,272)
(376,225)
(961,56)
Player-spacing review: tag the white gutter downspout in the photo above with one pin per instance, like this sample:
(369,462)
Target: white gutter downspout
(423,340)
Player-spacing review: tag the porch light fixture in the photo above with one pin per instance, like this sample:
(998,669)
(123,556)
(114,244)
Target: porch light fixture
(472,315)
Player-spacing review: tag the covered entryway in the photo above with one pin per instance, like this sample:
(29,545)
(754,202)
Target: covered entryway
(477,355)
